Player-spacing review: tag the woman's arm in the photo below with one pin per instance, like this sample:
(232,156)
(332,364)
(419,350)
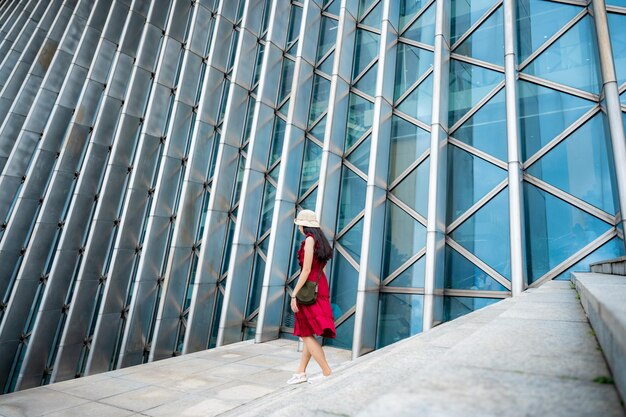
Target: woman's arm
(309,247)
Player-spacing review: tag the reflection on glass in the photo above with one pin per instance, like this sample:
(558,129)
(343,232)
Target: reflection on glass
(310,165)
(617,23)
(365,50)
(538,21)
(408,142)
(486,234)
(352,199)
(588,174)
(351,241)
(470,178)
(408,9)
(404,237)
(319,98)
(614,248)
(468,85)
(465,14)
(413,190)
(423,29)
(461,274)
(411,63)
(418,103)
(487,42)
(545,113)
(555,230)
(572,60)
(360,116)
(486,129)
(360,157)
(400,316)
(328,35)
(412,277)
(455,307)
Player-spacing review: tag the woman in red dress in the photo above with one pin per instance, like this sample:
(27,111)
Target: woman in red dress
(315,319)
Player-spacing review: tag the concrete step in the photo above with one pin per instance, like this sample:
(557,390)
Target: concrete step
(615,266)
(532,355)
(604,299)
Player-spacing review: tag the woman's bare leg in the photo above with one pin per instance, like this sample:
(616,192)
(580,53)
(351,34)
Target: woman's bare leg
(304,359)
(317,352)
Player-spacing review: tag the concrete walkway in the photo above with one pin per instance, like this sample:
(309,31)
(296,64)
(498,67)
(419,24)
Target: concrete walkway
(205,383)
(535,355)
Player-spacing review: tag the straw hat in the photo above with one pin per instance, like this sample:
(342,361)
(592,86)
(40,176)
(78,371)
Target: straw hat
(307,218)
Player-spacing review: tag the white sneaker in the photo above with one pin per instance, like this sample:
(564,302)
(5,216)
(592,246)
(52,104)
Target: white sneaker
(297,379)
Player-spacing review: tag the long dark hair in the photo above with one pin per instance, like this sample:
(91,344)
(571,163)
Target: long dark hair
(323,251)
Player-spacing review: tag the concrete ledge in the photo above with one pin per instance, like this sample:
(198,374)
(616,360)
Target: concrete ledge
(604,299)
(615,266)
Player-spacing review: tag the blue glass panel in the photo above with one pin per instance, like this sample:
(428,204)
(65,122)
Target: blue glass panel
(419,102)
(412,277)
(455,307)
(487,42)
(256,284)
(408,9)
(265,244)
(423,29)
(296,241)
(343,285)
(294,26)
(352,199)
(360,157)
(413,190)
(332,6)
(538,21)
(309,202)
(614,248)
(620,3)
(404,237)
(360,117)
(622,98)
(327,66)
(310,165)
(617,23)
(273,174)
(461,274)
(277,140)
(345,333)
(352,240)
(400,316)
(319,98)
(411,63)
(367,83)
(375,17)
(269,196)
(470,178)
(544,114)
(468,85)
(319,129)
(284,109)
(328,36)
(572,60)
(486,234)
(286,79)
(588,174)
(556,230)
(364,6)
(408,142)
(486,129)
(365,51)
(465,14)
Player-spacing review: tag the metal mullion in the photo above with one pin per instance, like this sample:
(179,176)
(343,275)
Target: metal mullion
(364,71)
(576,257)
(346,255)
(409,170)
(411,119)
(562,136)
(616,9)
(449,292)
(478,262)
(368,28)
(553,38)
(416,44)
(345,316)
(477,62)
(405,265)
(409,210)
(582,3)
(369,10)
(476,25)
(401,290)
(477,106)
(348,226)
(322,74)
(314,140)
(417,16)
(315,122)
(308,192)
(477,206)
(559,87)
(477,152)
(323,58)
(413,87)
(358,142)
(569,198)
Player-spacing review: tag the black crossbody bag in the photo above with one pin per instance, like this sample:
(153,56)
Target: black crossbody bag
(308,293)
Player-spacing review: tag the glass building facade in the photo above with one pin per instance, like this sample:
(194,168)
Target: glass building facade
(153,156)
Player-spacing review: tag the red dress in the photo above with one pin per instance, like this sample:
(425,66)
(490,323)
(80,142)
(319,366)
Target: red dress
(316,318)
